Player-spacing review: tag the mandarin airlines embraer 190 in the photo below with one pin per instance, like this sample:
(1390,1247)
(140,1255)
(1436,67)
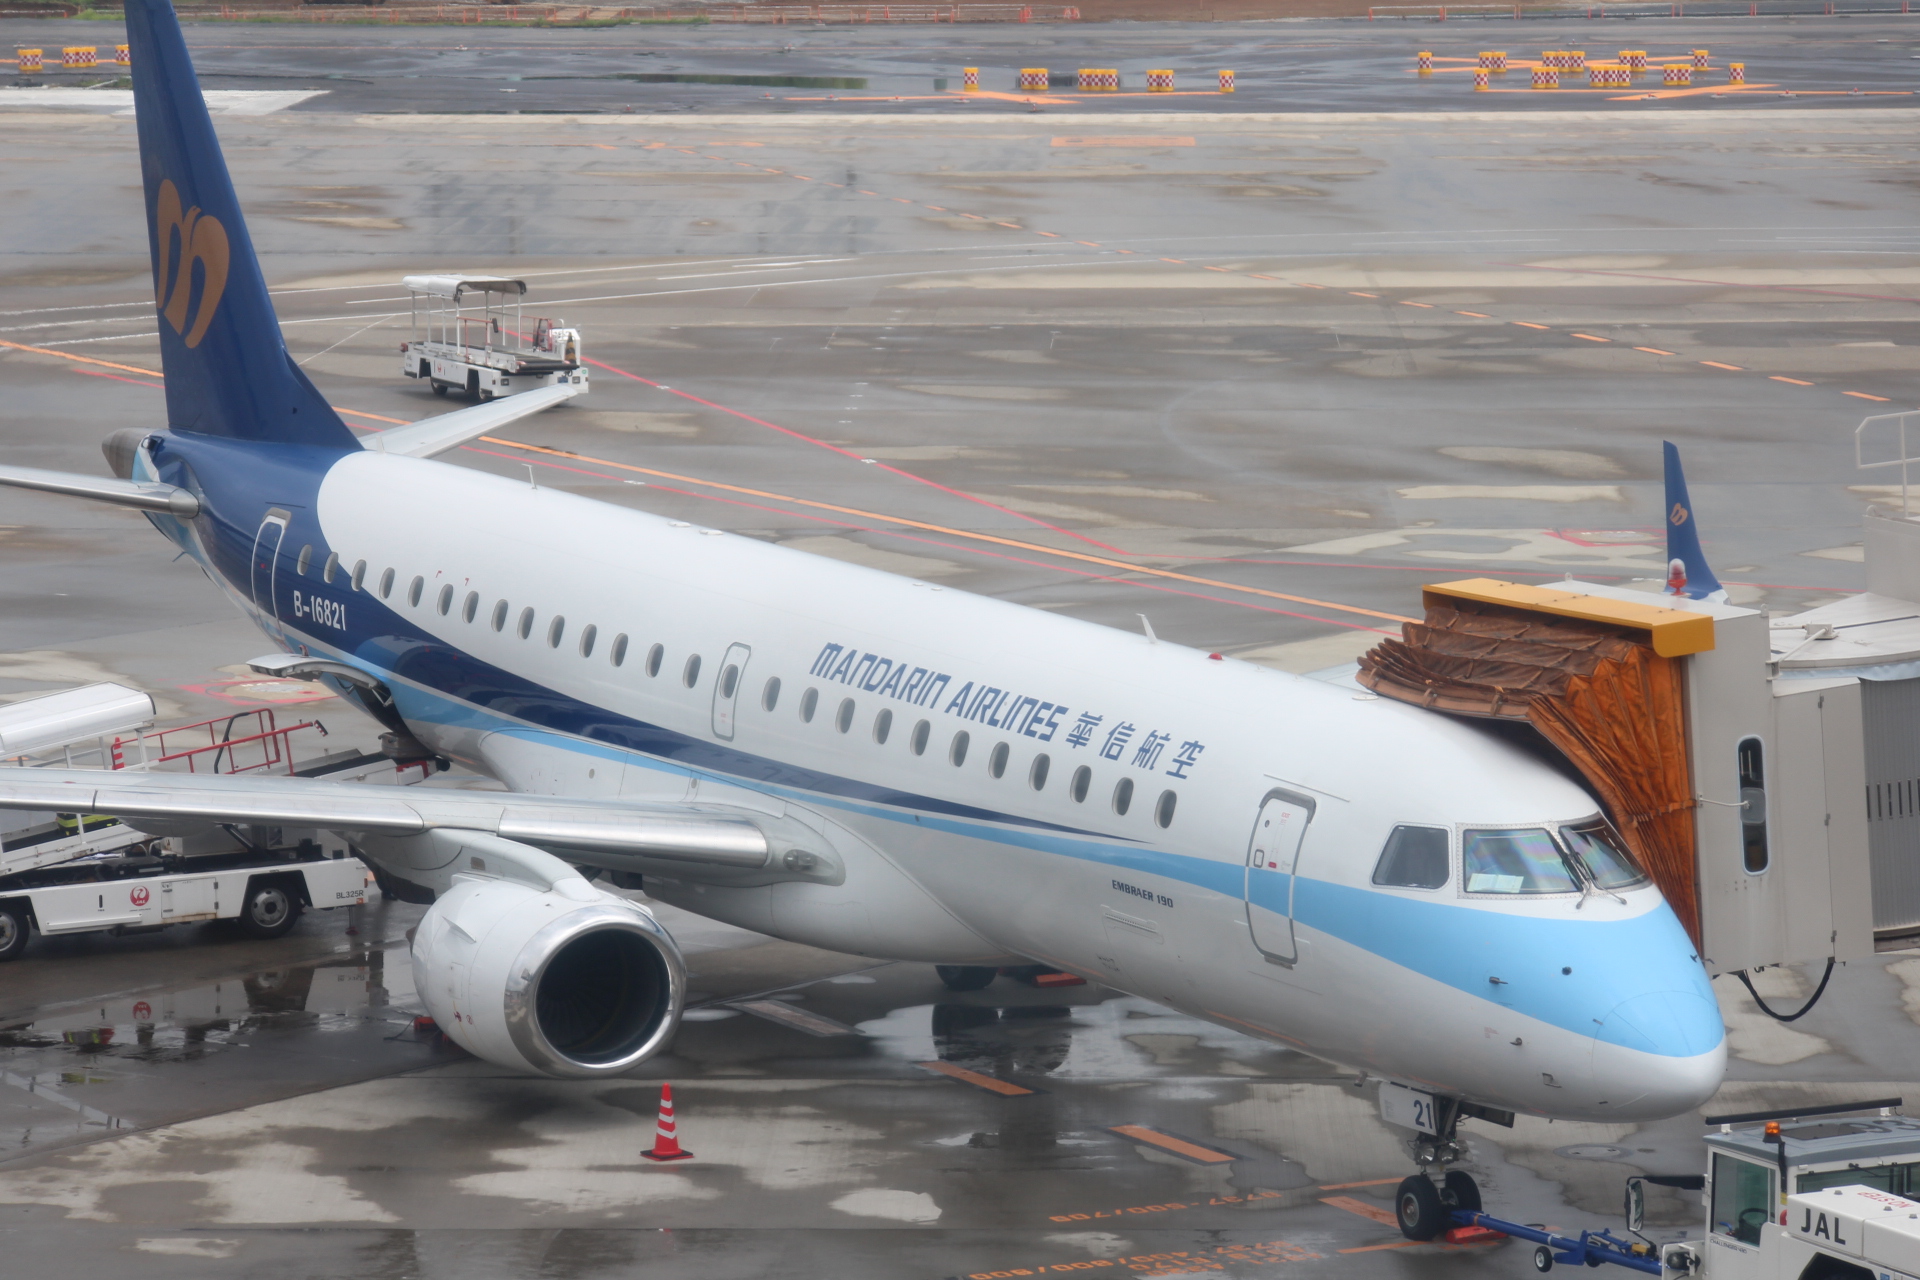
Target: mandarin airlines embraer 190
(848,759)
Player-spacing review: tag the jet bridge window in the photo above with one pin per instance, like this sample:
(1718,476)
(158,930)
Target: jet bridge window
(1598,848)
(1415,858)
(1753,802)
(1742,1198)
(1514,862)
(305,561)
(415,588)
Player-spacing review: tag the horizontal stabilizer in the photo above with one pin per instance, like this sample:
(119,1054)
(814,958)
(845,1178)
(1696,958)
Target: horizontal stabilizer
(436,435)
(141,495)
(683,833)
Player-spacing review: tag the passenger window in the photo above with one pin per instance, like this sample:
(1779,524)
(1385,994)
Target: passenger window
(471,606)
(957,753)
(1082,781)
(654,657)
(843,719)
(1037,772)
(1598,848)
(1163,811)
(1753,804)
(359,574)
(415,588)
(921,732)
(882,726)
(690,675)
(588,634)
(1514,862)
(729,680)
(770,696)
(386,584)
(556,629)
(305,561)
(500,615)
(526,622)
(445,603)
(1742,1198)
(997,760)
(618,654)
(809,702)
(331,569)
(1123,796)
(1415,858)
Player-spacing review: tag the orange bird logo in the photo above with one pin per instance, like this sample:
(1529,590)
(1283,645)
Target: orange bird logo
(200,238)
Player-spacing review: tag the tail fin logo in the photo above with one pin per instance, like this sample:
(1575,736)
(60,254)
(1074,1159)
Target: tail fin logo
(201,239)
(1677,518)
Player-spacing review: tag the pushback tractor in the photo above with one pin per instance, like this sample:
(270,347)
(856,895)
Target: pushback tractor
(470,335)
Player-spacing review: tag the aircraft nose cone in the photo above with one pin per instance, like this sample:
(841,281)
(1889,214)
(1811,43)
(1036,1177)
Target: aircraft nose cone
(1672,1024)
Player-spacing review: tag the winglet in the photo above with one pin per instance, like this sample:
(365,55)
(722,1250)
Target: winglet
(1687,572)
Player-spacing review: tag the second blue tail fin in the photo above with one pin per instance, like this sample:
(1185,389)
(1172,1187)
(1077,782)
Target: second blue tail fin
(228,371)
(1687,572)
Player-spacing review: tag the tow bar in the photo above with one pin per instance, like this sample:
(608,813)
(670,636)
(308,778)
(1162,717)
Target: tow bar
(1591,1248)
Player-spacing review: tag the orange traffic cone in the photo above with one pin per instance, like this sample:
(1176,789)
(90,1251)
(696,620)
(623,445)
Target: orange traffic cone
(666,1144)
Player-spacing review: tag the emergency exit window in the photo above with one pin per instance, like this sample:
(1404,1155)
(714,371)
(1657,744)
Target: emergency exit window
(1753,804)
(1742,1198)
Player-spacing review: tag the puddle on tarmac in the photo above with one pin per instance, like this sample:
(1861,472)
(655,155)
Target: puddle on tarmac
(69,1064)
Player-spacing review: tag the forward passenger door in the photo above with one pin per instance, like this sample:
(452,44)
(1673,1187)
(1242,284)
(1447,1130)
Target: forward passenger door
(1273,858)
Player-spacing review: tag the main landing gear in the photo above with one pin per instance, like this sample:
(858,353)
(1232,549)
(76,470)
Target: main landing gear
(1425,1201)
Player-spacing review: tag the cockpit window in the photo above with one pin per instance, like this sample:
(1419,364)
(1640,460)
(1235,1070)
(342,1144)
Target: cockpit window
(1604,857)
(1415,858)
(1526,861)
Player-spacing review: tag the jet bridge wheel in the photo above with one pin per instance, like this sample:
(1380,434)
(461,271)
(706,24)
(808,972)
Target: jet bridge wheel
(965,977)
(1417,1207)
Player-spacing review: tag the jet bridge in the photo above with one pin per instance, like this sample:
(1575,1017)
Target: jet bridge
(1739,786)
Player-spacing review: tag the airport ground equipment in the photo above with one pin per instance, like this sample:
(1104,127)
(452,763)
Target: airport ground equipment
(65,873)
(470,334)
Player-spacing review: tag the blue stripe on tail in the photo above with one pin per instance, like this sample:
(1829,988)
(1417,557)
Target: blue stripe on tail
(228,372)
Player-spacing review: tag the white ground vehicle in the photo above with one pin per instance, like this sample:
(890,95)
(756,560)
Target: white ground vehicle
(64,873)
(1819,1196)
(489,349)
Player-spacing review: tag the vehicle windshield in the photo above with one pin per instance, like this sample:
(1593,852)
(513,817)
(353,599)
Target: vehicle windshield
(1600,852)
(1524,861)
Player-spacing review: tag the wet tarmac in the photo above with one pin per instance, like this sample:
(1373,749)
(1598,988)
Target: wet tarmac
(1244,374)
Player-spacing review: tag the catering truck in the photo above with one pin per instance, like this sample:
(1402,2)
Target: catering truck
(75,872)
(470,335)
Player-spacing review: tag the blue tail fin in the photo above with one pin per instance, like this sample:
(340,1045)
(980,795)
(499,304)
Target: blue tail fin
(228,372)
(1687,572)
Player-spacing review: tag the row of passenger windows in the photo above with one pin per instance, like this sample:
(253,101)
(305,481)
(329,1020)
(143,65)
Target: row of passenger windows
(999,758)
(1524,860)
(1038,771)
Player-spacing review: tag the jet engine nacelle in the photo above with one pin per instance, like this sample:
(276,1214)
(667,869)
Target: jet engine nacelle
(565,981)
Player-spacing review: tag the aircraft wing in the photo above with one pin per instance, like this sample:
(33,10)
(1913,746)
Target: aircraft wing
(141,495)
(687,833)
(434,435)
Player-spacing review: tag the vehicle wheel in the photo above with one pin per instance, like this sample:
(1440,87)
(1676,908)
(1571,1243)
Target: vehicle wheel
(14,930)
(439,388)
(965,977)
(1417,1206)
(1461,1192)
(1543,1259)
(268,912)
(486,395)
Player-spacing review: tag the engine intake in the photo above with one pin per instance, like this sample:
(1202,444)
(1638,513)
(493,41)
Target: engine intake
(566,981)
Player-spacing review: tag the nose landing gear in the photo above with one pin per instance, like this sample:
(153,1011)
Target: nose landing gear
(1425,1202)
